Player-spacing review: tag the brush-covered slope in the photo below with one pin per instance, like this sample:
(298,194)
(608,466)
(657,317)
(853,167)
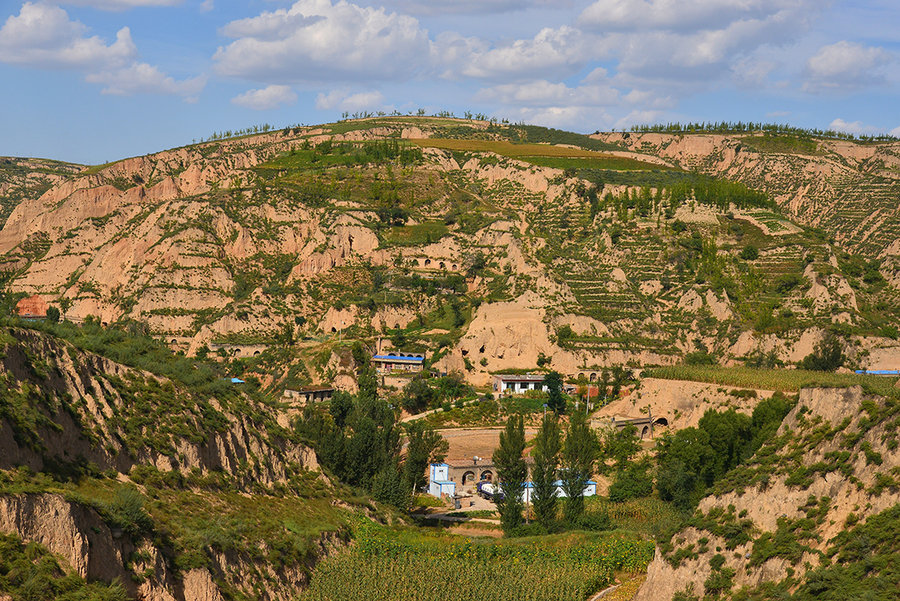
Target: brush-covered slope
(849,189)
(490,246)
(21,179)
(173,484)
(813,515)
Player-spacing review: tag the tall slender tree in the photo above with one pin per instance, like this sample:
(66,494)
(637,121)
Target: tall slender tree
(555,400)
(545,472)
(512,472)
(579,455)
(425,446)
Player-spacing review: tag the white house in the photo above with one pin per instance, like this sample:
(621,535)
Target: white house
(439,483)
(518,383)
(590,490)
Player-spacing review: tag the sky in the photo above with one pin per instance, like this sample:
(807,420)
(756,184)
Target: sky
(92,81)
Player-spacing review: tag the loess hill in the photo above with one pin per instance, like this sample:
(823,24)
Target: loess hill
(486,245)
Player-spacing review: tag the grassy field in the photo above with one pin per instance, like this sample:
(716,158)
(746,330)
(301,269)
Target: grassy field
(786,380)
(783,144)
(648,516)
(283,529)
(546,155)
(406,565)
(415,235)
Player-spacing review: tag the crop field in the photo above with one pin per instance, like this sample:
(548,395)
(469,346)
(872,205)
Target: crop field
(785,380)
(415,235)
(546,155)
(386,565)
(647,515)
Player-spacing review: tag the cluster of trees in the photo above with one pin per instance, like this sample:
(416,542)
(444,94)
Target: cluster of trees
(428,393)
(609,385)
(364,153)
(253,129)
(645,201)
(719,193)
(740,127)
(690,460)
(568,459)
(827,355)
(358,440)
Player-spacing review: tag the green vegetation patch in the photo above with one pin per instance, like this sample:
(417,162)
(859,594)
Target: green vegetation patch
(782,144)
(399,566)
(561,157)
(614,163)
(786,380)
(415,235)
(30,572)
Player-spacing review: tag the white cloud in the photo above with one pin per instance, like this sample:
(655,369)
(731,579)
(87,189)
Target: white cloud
(551,53)
(575,118)
(637,117)
(480,7)
(266,98)
(43,36)
(859,128)
(141,78)
(344,101)
(751,73)
(675,15)
(316,41)
(543,93)
(685,46)
(121,4)
(845,66)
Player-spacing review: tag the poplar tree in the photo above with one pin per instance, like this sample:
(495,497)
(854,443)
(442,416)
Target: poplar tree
(512,472)
(555,400)
(579,454)
(545,472)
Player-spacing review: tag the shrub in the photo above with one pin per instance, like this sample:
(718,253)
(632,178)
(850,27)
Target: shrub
(631,483)
(828,355)
(749,253)
(127,512)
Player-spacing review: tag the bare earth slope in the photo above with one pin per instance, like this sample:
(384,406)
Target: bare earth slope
(242,246)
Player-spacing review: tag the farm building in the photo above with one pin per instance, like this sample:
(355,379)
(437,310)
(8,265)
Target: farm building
(411,362)
(310,394)
(439,483)
(517,383)
(32,307)
(590,490)
(879,372)
(645,424)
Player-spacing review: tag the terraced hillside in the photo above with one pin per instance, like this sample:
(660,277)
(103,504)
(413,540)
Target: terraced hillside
(488,246)
(849,189)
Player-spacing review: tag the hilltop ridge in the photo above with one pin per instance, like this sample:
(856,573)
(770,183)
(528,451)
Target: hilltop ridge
(588,250)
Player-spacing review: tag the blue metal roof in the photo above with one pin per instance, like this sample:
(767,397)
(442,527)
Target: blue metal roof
(237,381)
(398,358)
(879,372)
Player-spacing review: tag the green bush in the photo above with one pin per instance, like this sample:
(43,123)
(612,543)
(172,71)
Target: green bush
(633,482)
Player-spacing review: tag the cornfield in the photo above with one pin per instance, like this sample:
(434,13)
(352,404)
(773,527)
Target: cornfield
(381,567)
(787,380)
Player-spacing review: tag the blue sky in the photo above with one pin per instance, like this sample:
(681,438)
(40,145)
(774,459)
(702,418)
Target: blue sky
(96,80)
